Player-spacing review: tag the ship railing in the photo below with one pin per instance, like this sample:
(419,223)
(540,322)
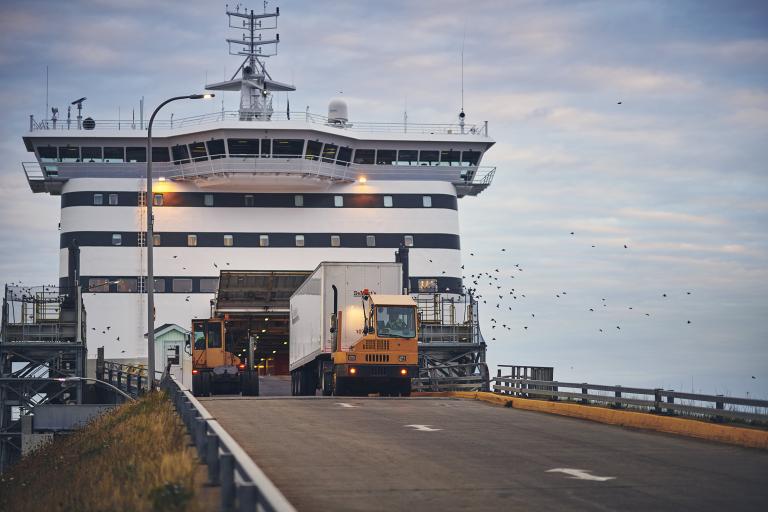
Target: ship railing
(230,116)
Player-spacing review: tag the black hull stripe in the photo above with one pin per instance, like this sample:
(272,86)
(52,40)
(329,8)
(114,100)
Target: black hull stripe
(449,284)
(237,200)
(311,240)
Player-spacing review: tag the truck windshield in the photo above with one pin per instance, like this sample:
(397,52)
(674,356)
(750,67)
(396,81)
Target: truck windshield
(199,334)
(396,321)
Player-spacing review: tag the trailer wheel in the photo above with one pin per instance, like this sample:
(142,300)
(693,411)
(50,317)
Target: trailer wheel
(249,383)
(327,384)
(203,384)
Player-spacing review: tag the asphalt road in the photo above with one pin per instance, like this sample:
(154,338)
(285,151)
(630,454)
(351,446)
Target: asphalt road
(366,455)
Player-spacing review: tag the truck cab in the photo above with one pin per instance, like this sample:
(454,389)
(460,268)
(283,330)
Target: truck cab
(215,367)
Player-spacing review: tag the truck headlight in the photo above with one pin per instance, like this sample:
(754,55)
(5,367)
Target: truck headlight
(402,358)
(351,357)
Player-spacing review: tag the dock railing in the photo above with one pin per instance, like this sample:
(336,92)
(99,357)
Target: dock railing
(657,400)
(243,485)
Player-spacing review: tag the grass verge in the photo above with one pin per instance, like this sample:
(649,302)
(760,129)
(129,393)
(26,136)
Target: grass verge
(133,458)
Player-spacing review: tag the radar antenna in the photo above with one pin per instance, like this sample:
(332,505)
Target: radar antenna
(255,83)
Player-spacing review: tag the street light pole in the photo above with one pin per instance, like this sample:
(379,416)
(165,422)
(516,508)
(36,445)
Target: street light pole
(149,285)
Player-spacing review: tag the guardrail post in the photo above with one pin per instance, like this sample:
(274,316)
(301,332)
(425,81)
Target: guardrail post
(657,400)
(617,394)
(212,457)
(119,379)
(227,480)
(138,384)
(584,391)
(246,496)
(498,382)
(200,430)
(719,406)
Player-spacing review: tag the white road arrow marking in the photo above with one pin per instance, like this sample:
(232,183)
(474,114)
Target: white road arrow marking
(581,474)
(344,404)
(423,428)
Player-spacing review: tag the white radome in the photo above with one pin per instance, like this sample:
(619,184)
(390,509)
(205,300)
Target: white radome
(338,111)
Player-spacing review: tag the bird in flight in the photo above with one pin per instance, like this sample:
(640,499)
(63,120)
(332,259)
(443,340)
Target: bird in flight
(618,103)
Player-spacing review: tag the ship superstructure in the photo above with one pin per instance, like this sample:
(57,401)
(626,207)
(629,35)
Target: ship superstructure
(251,190)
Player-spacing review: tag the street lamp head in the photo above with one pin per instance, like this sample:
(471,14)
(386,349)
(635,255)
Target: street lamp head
(205,96)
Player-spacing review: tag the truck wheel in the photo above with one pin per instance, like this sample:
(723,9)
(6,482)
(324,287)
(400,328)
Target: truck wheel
(205,384)
(327,383)
(197,385)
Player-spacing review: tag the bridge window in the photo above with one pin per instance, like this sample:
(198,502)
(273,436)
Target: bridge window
(248,200)
(127,285)
(370,240)
(243,147)
(345,156)
(114,155)
(216,148)
(159,285)
(208,200)
(182,285)
(157,200)
(314,148)
(117,239)
(365,156)
(156,239)
(160,154)
(470,157)
(265,148)
(198,152)
(229,240)
(69,154)
(209,285)
(298,200)
(180,154)
(287,148)
(47,153)
(263,240)
(98,199)
(91,155)
(338,201)
(385,156)
(407,157)
(299,240)
(329,153)
(335,241)
(98,285)
(429,157)
(427,285)
(426,201)
(191,240)
(113,199)
(135,154)
(387,201)
(450,157)
(408,240)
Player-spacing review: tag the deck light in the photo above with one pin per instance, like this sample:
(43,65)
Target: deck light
(362,179)
(161,178)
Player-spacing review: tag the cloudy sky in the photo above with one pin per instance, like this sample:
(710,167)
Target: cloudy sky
(676,172)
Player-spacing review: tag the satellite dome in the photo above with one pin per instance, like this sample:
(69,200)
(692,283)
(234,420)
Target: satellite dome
(338,111)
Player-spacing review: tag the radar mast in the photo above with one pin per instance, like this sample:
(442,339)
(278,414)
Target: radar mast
(255,83)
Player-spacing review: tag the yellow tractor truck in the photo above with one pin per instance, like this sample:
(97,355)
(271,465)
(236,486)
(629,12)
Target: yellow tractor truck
(215,367)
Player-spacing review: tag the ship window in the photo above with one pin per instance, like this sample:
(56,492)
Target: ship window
(427,201)
(385,156)
(114,155)
(98,285)
(365,156)
(156,239)
(91,155)
(117,239)
(216,148)
(69,154)
(112,199)
(298,200)
(198,152)
(427,285)
(338,201)
(136,154)
(370,241)
(98,199)
(265,148)
(450,157)
(299,240)
(157,200)
(208,199)
(243,147)
(159,285)
(429,157)
(345,155)
(214,334)
(180,154)
(47,153)
(127,285)
(229,240)
(329,153)
(335,241)
(407,157)
(263,240)
(208,285)
(182,285)
(192,240)
(387,201)
(160,154)
(313,150)
(248,200)
(408,240)
(287,148)
(470,157)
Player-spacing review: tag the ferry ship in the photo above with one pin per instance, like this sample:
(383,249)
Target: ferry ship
(256,196)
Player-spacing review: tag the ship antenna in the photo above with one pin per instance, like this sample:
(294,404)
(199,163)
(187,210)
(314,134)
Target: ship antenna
(462,115)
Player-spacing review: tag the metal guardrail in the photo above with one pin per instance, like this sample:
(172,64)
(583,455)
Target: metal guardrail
(448,378)
(662,401)
(131,379)
(243,485)
(229,116)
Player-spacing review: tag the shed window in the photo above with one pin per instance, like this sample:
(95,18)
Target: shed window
(329,153)
(370,240)
(243,147)
(338,201)
(208,199)
(135,154)
(365,156)
(229,241)
(192,240)
(429,157)
(180,154)
(160,154)
(208,284)
(198,152)
(127,285)
(91,155)
(182,285)
(287,148)
(335,241)
(408,240)
(387,201)
(407,157)
(69,154)
(114,155)
(157,200)
(427,201)
(313,150)
(98,199)
(216,148)
(98,285)
(299,240)
(385,156)
(248,200)
(263,240)
(345,155)
(48,153)
(113,199)
(298,200)
(117,239)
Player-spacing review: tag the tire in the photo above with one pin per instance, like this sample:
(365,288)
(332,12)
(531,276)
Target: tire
(327,384)
(197,385)
(205,384)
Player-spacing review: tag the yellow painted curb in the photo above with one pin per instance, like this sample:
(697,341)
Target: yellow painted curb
(692,428)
